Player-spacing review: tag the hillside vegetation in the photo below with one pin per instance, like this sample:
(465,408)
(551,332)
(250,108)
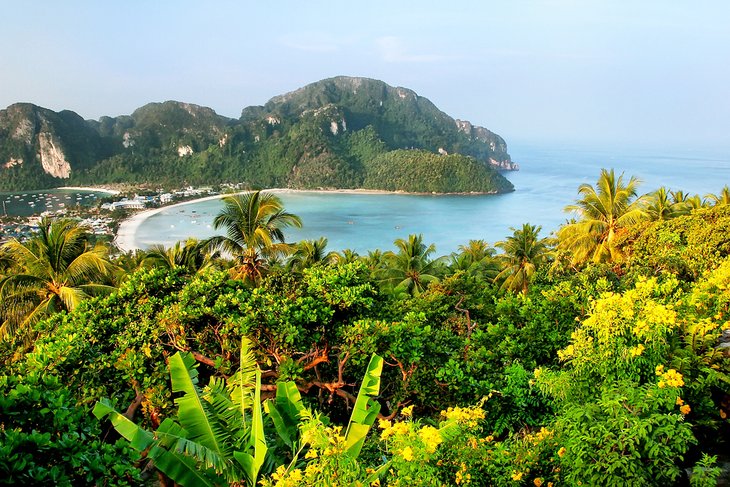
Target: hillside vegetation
(320,136)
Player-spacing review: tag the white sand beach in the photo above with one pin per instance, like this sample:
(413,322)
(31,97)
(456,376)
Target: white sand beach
(125,238)
(90,188)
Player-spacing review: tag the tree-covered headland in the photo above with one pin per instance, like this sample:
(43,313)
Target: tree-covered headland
(598,356)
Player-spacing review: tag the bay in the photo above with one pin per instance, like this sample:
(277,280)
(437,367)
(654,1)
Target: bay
(548,180)
(28,203)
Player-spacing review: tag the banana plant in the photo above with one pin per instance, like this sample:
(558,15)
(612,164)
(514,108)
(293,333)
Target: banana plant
(218,437)
(286,410)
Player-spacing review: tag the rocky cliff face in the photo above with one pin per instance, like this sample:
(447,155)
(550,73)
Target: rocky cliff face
(500,158)
(35,138)
(53,160)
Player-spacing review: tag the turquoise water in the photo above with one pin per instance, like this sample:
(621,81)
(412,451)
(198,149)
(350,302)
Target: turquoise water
(29,203)
(547,182)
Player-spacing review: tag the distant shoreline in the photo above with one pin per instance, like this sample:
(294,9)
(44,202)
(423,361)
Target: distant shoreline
(89,188)
(127,231)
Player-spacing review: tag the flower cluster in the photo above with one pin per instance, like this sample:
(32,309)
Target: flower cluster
(285,478)
(390,429)
(637,350)
(431,438)
(468,416)
(670,378)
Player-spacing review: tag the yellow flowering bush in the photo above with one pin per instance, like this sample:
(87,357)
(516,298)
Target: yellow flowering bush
(623,333)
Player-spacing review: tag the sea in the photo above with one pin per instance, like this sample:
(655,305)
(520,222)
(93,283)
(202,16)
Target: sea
(546,183)
(29,203)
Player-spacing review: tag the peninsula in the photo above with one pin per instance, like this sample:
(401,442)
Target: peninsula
(338,133)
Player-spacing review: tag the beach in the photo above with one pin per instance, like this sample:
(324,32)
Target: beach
(90,188)
(125,238)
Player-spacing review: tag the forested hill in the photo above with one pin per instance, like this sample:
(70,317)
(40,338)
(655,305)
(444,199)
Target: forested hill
(330,134)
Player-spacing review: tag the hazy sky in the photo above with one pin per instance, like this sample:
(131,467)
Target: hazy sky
(631,72)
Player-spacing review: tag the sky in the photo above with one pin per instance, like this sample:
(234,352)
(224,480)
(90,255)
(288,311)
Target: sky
(639,72)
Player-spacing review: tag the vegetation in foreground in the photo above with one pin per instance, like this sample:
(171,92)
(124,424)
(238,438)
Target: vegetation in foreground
(599,357)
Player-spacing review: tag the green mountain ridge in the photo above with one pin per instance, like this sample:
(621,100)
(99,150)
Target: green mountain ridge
(328,134)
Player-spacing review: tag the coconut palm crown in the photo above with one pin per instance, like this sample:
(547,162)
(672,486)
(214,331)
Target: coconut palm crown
(410,270)
(603,212)
(523,253)
(254,224)
(57,268)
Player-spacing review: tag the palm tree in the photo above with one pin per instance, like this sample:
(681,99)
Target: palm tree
(603,212)
(254,224)
(410,270)
(191,255)
(722,199)
(524,252)
(660,207)
(309,253)
(347,256)
(58,268)
(476,258)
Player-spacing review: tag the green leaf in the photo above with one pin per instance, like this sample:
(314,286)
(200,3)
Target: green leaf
(284,412)
(195,415)
(139,438)
(366,408)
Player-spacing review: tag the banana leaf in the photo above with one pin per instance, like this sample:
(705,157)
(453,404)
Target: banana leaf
(366,408)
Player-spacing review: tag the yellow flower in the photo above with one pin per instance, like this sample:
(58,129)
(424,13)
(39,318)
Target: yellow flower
(672,378)
(467,416)
(562,451)
(537,482)
(637,350)
(312,453)
(659,369)
(407,454)
(723,414)
(407,411)
(431,438)
(384,424)
(685,409)
(517,476)
(679,401)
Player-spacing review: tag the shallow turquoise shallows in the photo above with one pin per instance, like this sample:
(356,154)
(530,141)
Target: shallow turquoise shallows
(547,182)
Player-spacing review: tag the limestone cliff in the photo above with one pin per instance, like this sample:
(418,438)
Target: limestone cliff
(50,144)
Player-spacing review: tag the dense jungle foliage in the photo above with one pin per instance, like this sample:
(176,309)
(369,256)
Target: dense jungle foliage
(598,357)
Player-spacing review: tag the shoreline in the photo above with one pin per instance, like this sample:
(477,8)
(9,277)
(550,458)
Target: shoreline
(90,188)
(124,238)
